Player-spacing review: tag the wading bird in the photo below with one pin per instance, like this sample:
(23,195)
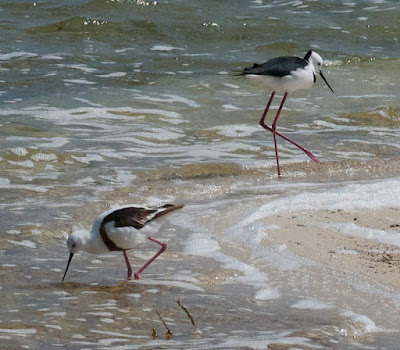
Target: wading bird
(284,75)
(120,229)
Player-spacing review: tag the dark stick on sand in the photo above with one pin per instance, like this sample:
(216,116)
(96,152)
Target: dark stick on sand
(169,333)
(187,313)
(154,334)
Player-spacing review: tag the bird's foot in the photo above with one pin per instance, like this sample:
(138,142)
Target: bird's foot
(137,276)
(308,152)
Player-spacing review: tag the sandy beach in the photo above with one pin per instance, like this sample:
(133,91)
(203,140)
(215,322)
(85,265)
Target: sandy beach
(316,235)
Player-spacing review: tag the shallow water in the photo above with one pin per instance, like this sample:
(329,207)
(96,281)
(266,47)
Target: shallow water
(116,102)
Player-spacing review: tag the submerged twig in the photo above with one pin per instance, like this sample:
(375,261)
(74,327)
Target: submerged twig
(169,333)
(154,334)
(187,313)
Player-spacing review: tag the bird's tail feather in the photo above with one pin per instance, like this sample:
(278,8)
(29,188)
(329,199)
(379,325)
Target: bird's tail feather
(167,208)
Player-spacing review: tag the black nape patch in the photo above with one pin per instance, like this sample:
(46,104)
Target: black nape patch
(307,56)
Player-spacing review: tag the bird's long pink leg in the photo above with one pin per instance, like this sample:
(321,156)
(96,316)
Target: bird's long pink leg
(274,132)
(262,121)
(265,126)
(163,247)
(128,265)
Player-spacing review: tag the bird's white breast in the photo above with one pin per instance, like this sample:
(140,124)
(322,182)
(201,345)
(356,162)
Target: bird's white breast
(126,237)
(296,80)
(299,79)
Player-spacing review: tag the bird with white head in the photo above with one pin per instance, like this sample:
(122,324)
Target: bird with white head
(120,229)
(284,75)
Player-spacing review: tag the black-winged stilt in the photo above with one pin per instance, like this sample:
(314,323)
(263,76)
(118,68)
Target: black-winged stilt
(120,229)
(284,75)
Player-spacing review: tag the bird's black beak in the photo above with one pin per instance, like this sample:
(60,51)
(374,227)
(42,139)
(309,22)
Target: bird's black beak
(69,261)
(322,76)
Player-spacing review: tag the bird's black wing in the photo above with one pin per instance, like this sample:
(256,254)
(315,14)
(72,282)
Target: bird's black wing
(277,67)
(130,216)
(137,217)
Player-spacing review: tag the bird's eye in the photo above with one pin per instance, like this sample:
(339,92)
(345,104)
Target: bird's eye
(74,245)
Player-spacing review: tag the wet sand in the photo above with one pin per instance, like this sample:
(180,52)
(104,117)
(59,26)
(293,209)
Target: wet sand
(315,235)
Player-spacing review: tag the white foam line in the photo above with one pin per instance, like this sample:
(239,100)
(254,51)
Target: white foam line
(312,304)
(351,229)
(358,97)
(200,243)
(19,331)
(82,113)
(240,341)
(112,75)
(16,54)
(25,243)
(6,183)
(169,98)
(365,324)
(163,47)
(80,81)
(263,342)
(383,194)
(87,102)
(115,334)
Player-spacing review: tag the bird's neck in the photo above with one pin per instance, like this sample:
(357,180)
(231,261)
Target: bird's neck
(94,243)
